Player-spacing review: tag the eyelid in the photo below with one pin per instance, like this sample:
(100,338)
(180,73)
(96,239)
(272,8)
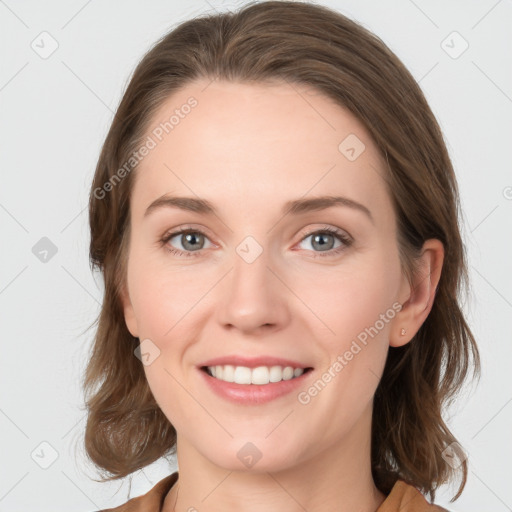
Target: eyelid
(173,232)
(327,228)
(343,236)
(188,228)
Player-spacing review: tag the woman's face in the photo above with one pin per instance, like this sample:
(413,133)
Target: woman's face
(256,279)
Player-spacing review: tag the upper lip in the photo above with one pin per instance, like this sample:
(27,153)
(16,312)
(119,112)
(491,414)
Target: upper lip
(252,362)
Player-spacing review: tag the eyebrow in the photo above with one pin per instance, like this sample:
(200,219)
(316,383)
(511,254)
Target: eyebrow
(295,207)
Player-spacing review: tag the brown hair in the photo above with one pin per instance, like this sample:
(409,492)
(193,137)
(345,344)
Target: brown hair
(297,43)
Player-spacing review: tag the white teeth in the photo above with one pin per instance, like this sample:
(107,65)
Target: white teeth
(276,374)
(242,375)
(228,373)
(261,375)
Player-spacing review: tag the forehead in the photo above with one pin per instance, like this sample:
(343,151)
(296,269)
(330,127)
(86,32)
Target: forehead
(234,141)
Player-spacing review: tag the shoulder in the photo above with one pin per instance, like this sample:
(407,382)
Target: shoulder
(406,498)
(152,501)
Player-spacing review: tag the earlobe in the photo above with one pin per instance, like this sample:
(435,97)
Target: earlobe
(129,313)
(417,307)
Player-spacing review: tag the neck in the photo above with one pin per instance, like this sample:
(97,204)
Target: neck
(338,479)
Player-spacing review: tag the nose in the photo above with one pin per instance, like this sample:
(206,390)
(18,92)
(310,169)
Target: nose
(252,296)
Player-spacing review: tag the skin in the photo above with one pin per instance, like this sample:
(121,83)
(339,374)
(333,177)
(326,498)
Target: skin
(248,149)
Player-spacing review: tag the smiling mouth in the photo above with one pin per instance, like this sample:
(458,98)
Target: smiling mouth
(259,376)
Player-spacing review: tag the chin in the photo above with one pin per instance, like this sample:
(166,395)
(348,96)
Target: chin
(252,454)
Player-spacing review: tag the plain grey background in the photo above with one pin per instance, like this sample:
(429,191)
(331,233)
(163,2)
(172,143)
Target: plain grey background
(64,66)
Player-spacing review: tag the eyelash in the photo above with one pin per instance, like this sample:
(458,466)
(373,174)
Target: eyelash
(327,230)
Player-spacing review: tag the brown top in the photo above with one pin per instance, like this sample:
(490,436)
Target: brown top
(403,498)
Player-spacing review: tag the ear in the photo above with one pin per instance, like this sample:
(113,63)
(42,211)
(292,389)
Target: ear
(419,298)
(129,313)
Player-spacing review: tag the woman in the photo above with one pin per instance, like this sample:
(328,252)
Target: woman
(300,355)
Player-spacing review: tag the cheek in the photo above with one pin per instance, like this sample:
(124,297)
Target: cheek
(339,310)
(357,308)
(342,302)
(356,298)
(163,298)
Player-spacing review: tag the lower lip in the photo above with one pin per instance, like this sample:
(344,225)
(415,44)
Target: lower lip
(253,393)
